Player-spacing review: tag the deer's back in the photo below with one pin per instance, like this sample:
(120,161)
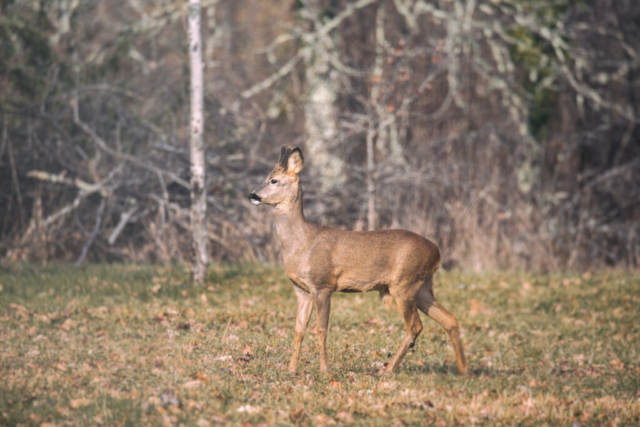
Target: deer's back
(360,261)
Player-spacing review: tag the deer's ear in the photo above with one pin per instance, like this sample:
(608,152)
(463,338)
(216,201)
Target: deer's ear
(284,156)
(295,161)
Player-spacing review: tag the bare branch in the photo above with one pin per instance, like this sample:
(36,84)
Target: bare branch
(94,233)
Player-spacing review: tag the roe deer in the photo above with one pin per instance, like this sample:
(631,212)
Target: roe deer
(323,260)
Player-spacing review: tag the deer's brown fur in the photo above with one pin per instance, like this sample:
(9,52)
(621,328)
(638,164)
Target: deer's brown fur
(322,260)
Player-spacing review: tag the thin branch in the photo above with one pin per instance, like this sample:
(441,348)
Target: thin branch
(94,233)
(124,219)
(283,71)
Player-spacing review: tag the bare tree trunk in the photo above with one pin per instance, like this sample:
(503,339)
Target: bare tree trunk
(198,196)
(371,186)
(376,114)
(319,109)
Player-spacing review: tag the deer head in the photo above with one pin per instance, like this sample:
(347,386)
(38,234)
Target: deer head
(281,185)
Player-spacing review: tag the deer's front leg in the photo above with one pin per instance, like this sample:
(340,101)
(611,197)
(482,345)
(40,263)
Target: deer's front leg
(323,300)
(305,304)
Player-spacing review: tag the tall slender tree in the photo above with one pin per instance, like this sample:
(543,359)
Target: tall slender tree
(198,194)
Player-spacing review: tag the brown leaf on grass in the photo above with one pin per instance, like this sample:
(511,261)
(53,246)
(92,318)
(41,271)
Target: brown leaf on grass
(249,409)
(478,307)
(18,307)
(99,312)
(183,327)
(616,364)
(201,376)
(335,384)
(79,403)
(345,417)
(68,324)
(247,351)
(297,416)
(242,325)
(192,384)
(323,419)
(526,287)
(168,397)
(63,410)
(167,421)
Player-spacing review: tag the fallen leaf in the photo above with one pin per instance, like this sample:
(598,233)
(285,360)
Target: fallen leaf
(192,384)
(78,403)
(323,419)
(201,376)
(249,409)
(297,415)
(18,307)
(617,364)
(345,417)
(68,324)
(168,397)
(63,410)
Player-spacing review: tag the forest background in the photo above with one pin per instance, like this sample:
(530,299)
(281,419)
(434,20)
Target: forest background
(504,130)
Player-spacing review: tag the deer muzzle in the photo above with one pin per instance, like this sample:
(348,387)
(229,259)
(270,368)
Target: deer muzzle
(255,199)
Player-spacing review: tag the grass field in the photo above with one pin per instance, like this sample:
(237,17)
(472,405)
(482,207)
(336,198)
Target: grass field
(130,345)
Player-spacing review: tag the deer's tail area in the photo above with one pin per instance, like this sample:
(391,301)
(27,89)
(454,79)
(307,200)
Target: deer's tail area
(386,298)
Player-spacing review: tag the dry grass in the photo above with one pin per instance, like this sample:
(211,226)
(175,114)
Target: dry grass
(128,345)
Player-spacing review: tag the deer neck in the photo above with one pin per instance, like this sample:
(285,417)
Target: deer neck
(291,225)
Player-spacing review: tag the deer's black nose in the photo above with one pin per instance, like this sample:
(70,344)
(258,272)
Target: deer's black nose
(254,198)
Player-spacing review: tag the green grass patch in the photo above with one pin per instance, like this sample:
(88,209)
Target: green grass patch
(137,345)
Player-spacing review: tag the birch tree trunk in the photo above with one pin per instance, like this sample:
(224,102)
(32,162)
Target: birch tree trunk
(319,109)
(198,196)
(375,116)
(320,121)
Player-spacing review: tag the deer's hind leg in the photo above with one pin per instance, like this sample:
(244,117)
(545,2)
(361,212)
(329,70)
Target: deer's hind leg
(428,304)
(411,317)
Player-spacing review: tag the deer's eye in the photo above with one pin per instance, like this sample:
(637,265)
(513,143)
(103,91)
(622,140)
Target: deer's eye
(274,181)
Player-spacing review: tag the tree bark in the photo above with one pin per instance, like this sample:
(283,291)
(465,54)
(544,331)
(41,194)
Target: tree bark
(319,109)
(198,194)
